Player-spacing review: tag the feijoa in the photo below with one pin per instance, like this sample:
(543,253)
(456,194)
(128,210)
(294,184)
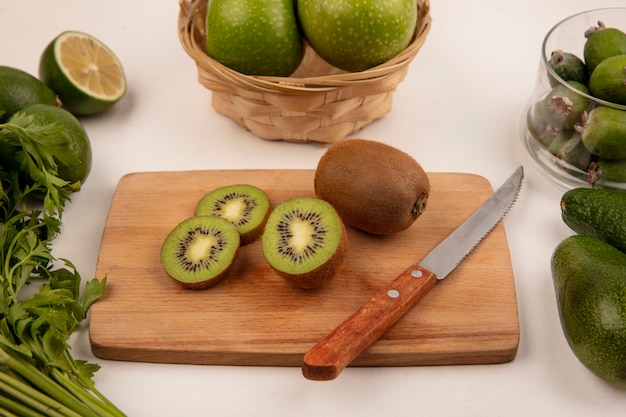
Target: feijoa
(602,42)
(540,128)
(604,132)
(608,80)
(559,141)
(572,151)
(568,66)
(564,106)
(606,173)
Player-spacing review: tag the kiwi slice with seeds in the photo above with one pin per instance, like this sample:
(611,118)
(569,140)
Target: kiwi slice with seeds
(305,241)
(244,205)
(199,251)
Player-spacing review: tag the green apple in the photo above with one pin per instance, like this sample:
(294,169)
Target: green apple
(357,35)
(254,37)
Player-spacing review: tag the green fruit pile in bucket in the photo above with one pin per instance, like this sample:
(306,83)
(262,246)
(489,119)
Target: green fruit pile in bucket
(267,37)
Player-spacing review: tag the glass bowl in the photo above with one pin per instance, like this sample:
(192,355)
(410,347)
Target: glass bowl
(550,126)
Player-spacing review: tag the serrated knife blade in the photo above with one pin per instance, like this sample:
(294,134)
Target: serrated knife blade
(337,349)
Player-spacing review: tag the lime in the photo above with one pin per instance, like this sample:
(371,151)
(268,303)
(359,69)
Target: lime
(77,161)
(19,89)
(83,71)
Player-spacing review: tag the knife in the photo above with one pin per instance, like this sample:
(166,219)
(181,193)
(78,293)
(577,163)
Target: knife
(337,349)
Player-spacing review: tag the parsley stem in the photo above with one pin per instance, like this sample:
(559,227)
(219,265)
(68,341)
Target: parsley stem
(85,396)
(9,406)
(46,385)
(31,402)
(9,271)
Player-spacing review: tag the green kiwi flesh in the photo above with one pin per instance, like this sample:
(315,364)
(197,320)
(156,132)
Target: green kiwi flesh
(305,241)
(374,187)
(244,205)
(199,251)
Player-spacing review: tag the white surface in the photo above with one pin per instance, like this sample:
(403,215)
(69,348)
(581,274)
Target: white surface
(456,111)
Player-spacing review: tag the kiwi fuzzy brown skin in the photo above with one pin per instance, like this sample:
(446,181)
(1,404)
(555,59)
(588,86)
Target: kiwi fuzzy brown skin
(374,187)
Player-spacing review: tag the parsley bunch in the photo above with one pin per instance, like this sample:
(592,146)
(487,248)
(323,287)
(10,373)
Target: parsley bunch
(38,376)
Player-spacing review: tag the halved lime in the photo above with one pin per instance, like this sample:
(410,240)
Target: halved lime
(85,73)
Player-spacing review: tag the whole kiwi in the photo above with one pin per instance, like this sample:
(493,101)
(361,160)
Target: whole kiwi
(374,187)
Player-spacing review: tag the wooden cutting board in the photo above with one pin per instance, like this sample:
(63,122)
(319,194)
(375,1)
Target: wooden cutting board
(254,317)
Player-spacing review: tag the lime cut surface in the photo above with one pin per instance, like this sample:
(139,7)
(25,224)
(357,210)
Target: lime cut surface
(85,73)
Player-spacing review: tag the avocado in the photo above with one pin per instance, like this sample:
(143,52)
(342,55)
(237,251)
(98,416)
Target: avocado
(589,278)
(597,213)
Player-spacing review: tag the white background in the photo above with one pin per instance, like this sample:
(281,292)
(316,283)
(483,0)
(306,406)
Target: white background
(455,112)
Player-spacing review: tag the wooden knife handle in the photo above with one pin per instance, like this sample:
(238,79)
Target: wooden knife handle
(337,349)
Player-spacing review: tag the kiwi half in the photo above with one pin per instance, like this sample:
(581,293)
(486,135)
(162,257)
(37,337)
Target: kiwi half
(244,205)
(305,241)
(199,251)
